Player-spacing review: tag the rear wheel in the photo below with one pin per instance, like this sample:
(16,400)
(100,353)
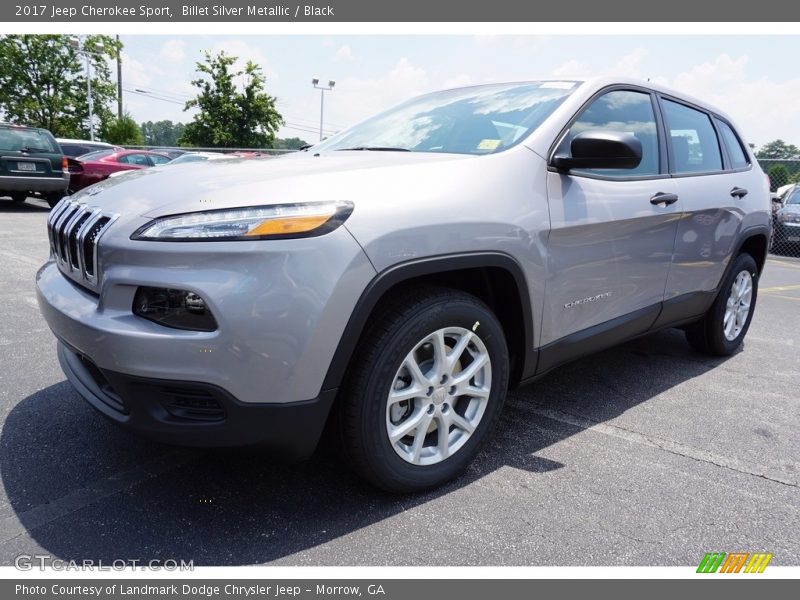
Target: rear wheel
(721,331)
(19,196)
(424,391)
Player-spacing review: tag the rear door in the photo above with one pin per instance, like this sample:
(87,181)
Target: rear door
(611,241)
(716,186)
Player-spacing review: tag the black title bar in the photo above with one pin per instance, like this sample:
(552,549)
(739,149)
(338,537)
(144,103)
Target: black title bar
(463,11)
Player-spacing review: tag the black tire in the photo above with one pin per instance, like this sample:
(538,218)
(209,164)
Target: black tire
(53,199)
(19,197)
(361,409)
(708,335)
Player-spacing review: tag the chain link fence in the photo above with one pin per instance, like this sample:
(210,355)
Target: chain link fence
(784,182)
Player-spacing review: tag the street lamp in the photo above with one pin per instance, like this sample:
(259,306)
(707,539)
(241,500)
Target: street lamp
(322,89)
(75,42)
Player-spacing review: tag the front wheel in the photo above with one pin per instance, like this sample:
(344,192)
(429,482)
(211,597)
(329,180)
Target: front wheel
(724,326)
(424,391)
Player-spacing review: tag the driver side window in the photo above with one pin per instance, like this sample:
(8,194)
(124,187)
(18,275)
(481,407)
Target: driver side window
(622,111)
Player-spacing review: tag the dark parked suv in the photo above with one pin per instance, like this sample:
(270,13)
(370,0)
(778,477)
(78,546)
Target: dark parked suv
(31,163)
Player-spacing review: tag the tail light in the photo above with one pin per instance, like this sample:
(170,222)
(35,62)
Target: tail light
(73,166)
(64,164)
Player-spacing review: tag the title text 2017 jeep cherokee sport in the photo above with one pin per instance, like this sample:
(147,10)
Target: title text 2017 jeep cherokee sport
(395,280)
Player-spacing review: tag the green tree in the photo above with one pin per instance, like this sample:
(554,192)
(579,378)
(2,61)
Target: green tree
(230,118)
(162,133)
(294,143)
(778,176)
(778,150)
(123,132)
(43,82)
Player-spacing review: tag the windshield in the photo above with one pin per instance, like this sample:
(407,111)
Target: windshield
(476,120)
(185,158)
(96,155)
(793,197)
(29,140)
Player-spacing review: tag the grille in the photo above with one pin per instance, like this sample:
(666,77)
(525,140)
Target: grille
(192,404)
(74,229)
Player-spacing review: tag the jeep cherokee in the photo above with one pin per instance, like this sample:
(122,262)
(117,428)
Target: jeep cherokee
(393,281)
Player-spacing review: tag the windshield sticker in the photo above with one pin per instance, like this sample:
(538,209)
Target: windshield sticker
(488,144)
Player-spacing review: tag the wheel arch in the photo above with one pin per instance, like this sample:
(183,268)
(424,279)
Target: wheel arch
(755,241)
(494,277)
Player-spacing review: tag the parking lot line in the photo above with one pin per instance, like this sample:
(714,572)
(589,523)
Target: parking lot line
(780,288)
(796,299)
(664,444)
(783,263)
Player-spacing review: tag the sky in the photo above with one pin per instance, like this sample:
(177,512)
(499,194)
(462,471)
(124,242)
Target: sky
(752,78)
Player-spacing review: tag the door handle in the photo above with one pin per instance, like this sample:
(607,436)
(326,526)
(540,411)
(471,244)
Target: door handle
(664,199)
(738,192)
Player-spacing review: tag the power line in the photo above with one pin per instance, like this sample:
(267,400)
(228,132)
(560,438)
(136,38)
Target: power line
(146,94)
(164,92)
(174,96)
(304,127)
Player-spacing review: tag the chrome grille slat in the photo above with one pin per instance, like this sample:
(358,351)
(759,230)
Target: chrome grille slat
(54,214)
(73,229)
(62,221)
(66,233)
(73,249)
(81,234)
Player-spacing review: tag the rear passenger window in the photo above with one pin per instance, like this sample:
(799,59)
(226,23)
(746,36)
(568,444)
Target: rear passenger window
(627,112)
(695,148)
(734,146)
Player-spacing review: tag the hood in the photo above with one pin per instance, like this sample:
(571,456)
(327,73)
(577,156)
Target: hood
(298,177)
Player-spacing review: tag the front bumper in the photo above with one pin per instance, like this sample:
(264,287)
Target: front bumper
(787,232)
(197,414)
(13,183)
(280,306)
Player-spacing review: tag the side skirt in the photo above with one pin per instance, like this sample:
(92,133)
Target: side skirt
(674,312)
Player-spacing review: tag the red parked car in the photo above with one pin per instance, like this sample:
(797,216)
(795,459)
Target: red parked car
(96,166)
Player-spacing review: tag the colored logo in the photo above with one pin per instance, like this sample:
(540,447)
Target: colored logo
(734,562)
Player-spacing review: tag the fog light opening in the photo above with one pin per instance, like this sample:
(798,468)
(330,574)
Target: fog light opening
(178,309)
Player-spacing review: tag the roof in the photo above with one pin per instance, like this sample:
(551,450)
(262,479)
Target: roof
(95,142)
(601,82)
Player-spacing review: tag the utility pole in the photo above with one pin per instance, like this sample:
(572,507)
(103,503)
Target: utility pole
(119,81)
(80,48)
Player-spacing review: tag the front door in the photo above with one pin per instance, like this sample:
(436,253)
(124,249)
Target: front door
(612,231)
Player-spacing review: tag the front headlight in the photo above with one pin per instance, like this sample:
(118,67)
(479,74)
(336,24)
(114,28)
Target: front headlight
(278,221)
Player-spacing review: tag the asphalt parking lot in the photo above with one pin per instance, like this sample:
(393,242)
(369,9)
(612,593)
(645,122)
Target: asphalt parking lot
(646,454)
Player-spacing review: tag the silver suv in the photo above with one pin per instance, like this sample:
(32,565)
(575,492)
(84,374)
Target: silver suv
(392,282)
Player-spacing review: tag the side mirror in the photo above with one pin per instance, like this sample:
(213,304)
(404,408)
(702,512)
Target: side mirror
(601,150)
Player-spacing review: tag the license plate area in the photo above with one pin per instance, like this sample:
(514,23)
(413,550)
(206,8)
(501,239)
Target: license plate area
(26,166)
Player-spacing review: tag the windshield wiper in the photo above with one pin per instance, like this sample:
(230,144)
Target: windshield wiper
(375,148)
(30,149)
